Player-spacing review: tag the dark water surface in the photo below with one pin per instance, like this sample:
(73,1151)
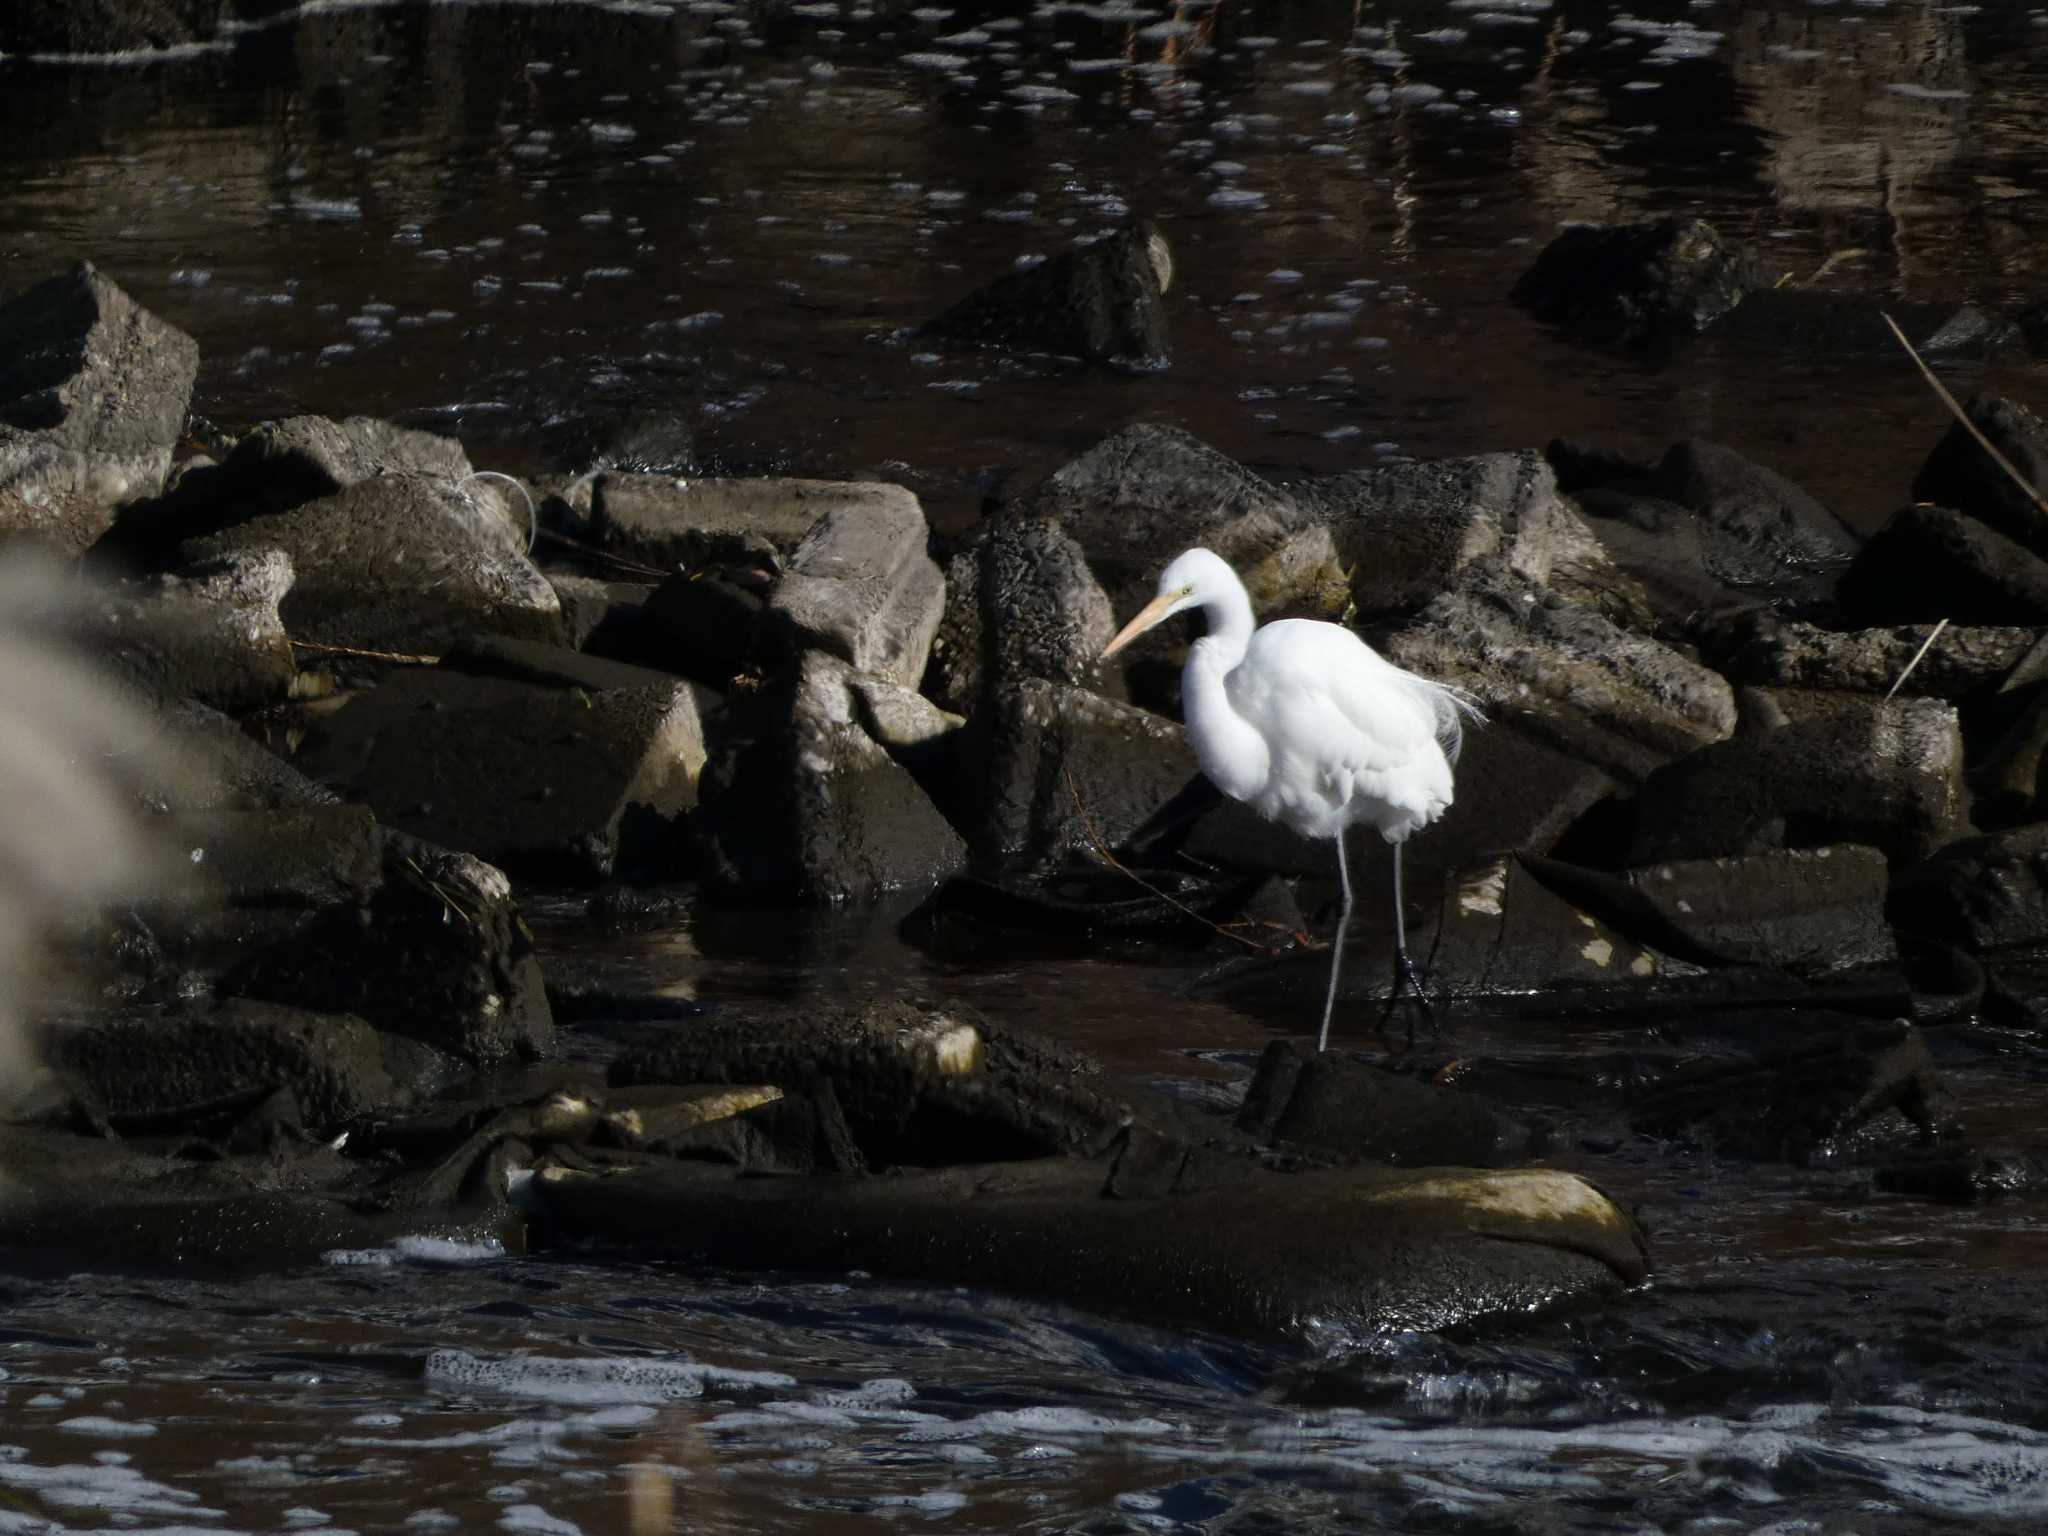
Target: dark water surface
(489,217)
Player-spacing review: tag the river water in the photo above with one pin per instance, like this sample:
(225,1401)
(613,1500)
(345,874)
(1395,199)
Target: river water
(491,219)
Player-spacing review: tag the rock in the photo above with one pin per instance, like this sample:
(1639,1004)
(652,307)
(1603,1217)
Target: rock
(1886,774)
(2008,782)
(704,627)
(861,587)
(1058,769)
(1020,603)
(56,522)
(569,784)
(156,1070)
(1960,474)
(1102,302)
(1142,495)
(400,563)
(1638,284)
(213,634)
(681,523)
(93,394)
(1360,1251)
(807,797)
(652,1116)
(298,459)
(1983,894)
(1810,912)
(1756,647)
(605,618)
(636,441)
(200,760)
(107,26)
(1857,1092)
(319,907)
(1931,563)
(968,915)
(1813,321)
(1567,674)
(1761,522)
(1404,532)
(1332,1104)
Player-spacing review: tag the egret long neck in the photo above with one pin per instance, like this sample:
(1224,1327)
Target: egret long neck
(1232,753)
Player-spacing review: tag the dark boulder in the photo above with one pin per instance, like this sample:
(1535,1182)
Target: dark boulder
(605,618)
(213,634)
(815,791)
(1638,284)
(1960,474)
(639,441)
(1762,523)
(93,395)
(1930,563)
(404,563)
(1812,321)
(1102,302)
(1889,775)
(1020,603)
(1757,648)
(705,627)
(861,587)
(1331,1104)
(1855,1094)
(108,26)
(197,759)
(1982,894)
(685,523)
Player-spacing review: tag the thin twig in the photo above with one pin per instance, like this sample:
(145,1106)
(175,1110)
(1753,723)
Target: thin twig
(349,650)
(1925,646)
(590,552)
(2026,486)
(1102,852)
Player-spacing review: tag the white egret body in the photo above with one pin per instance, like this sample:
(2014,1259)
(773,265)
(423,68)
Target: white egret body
(1310,727)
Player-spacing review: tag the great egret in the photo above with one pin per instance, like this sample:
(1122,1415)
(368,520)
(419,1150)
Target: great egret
(1310,727)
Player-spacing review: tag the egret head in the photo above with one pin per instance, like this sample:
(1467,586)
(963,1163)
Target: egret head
(1194,577)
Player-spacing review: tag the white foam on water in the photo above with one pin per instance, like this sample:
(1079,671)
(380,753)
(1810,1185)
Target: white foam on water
(1916,92)
(532,1520)
(106,1428)
(591,1379)
(521,1442)
(1077,1423)
(1236,197)
(119,1491)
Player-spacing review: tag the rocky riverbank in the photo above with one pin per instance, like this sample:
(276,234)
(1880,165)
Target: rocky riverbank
(387,691)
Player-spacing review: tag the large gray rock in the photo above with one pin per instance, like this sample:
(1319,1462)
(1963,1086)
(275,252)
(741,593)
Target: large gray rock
(1886,774)
(198,759)
(684,522)
(1638,284)
(1983,893)
(404,563)
(1761,523)
(1059,769)
(93,395)
(213,634)
(1960,474)
(106,26)
(1405,532)
(861,586)
(808,797)
(1020,602)
(1930,563)
(1102,302)
(1758,648)
(319,907)
(1142,495)
(1567,674)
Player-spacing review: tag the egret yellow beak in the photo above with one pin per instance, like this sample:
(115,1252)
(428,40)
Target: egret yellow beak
(1149,615)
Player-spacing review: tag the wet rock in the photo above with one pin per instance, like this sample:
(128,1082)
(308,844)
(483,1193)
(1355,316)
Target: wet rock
(561,777)
(1020,603)
(200,760)
(1857,1093)
(1059,769)
(213,634)
(93,394)
(400,563)
(1889,775)
(1982,894)
(1960,474)
(1362,1250)
(705,627)
(2008,783)
(674,522)
(1638,284)
(1810,321)
(107,26)
(861,587)
(1930,563)
(1961,1176)
(1758,648)
(320,907)
(653,1116)
(1567,674)
(1102,302)
(1142,495)
(298,459)
(808,795)
(1405,532)
(606,618)
(1811,912)
(1332,1104)
(640,442)
(193,1070)
(1762,523)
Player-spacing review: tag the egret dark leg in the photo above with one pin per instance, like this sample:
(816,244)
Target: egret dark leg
(1336,945)
(1404,968)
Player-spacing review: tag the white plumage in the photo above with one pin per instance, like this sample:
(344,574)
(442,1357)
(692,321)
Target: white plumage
(1310,727)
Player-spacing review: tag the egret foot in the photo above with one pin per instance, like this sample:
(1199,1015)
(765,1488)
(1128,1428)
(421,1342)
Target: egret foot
(1406,979)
